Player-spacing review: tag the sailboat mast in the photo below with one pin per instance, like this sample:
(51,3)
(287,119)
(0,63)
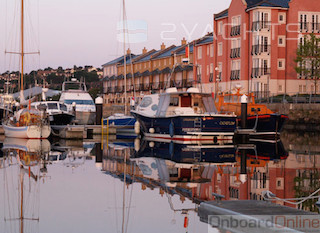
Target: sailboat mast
(21,203)
(22,44)
(124,56)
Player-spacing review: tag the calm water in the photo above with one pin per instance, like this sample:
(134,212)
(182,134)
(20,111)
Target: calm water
(71,186)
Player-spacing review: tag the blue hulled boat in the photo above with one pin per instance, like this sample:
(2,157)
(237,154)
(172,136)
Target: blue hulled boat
(184,117)
(124,125)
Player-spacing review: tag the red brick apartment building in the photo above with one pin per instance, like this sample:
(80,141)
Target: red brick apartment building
(255,43)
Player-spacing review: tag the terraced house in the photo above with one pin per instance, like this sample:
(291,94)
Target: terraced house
(149,72)
(256,42)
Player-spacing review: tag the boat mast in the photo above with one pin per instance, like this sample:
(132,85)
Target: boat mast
(124,57)
(22,45)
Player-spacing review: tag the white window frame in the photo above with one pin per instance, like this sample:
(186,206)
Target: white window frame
(283,64)
(199,50)
(220,26)
(284,18)
(220,48)
(283,41)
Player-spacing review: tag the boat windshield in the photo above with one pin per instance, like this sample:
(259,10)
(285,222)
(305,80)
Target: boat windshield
(52,106)
(63,107)
(79,102)
(74,86)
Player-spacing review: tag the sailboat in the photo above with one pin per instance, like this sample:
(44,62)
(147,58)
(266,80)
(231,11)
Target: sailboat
(123,123)
(27,122)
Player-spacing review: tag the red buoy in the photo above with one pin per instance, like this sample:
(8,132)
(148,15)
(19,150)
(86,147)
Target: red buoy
(186,220)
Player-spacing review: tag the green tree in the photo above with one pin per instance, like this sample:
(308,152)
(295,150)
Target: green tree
(308,59)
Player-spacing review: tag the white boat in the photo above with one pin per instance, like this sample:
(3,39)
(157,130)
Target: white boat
(28,124)
(74,94)
(57,111)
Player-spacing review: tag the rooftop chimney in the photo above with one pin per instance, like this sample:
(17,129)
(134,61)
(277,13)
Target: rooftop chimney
(183,41)
(163,46)
(144,50)
(128,51)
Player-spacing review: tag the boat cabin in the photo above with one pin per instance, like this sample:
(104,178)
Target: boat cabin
(74,84)
(52,106)
(231,103)
(172,102)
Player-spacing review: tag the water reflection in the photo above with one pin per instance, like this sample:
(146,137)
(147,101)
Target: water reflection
(23,170)
(205,173)
(158,183)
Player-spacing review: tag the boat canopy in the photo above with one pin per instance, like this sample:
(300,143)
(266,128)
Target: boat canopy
(177,103)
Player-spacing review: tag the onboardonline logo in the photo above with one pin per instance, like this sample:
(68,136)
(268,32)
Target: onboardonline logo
(132,31)
(264,223)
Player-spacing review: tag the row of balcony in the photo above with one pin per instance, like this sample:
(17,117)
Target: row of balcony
(235,53)
(235,30)
(308,27)
(259,25)
(235,75)
(260,48)
(258,71)
(148,86)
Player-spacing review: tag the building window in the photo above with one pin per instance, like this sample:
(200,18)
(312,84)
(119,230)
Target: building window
(282,18)
(280,88)
(211,50)
(199,52)
(220,70)
(208,50)
(220,25)
(281,64)
(281,41)
(220,49)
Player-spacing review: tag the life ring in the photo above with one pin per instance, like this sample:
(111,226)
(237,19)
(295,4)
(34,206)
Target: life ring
(27,159)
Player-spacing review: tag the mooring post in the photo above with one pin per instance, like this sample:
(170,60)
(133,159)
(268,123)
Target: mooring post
(244,109)
(99,103)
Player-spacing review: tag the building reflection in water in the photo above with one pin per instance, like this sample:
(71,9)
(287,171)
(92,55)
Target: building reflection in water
(205,173)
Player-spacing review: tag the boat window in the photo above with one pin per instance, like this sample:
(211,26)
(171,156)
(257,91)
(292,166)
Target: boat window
(41,106)
(146,101)
(72,86)
(80,102)
(63,107)
(52,106)
(174,101)
(154,107)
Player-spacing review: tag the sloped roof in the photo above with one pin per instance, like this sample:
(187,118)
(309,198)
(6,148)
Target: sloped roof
(268,3)
(207,39)
(182,49)
(147,57)
(221,14)
(118,60)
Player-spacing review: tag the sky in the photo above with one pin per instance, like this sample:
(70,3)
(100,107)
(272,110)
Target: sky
(88,32)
